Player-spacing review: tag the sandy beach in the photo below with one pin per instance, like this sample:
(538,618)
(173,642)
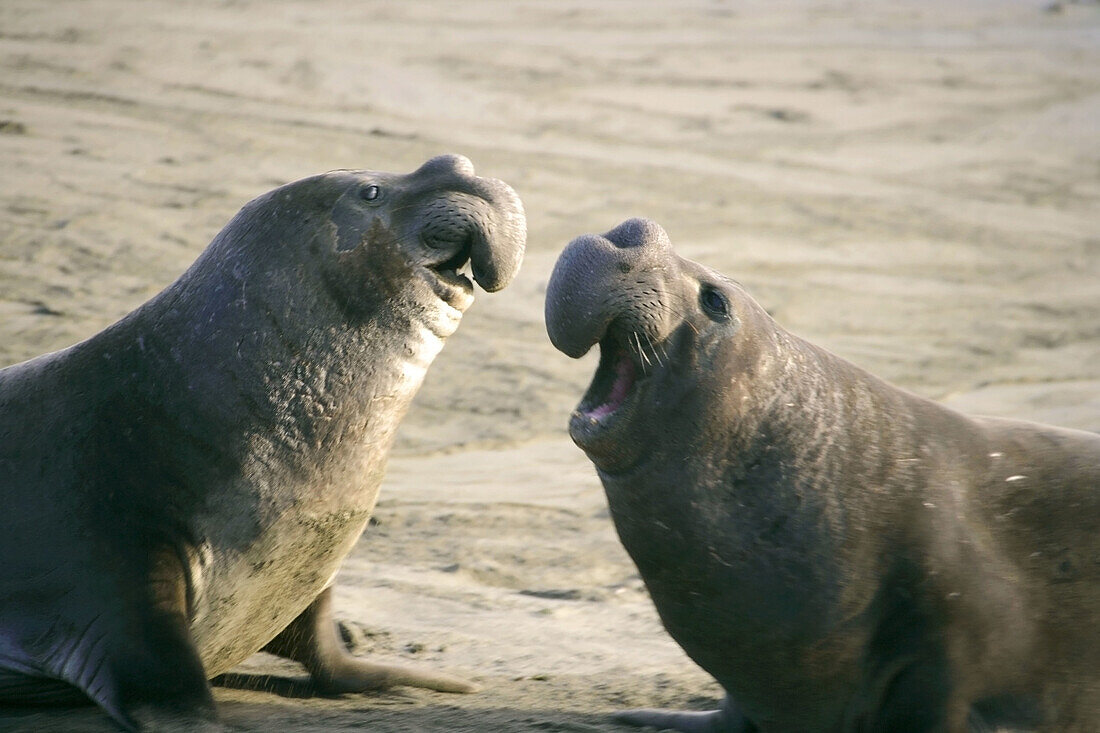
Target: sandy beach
(913,185)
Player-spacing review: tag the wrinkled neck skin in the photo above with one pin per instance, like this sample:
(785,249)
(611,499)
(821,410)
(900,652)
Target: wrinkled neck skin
(309,385)
(310,374)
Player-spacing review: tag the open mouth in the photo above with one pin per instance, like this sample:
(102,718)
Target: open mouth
(450,280)
(611,396)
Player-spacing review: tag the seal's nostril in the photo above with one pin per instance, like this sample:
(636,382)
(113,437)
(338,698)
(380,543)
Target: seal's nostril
(451,240)
(448,223)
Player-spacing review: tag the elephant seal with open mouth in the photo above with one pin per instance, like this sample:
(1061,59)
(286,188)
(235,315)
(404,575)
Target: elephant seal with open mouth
(179,490)
(839,554)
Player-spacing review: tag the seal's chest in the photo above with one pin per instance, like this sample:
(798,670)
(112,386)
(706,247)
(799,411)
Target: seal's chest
(276,539)
(248,595)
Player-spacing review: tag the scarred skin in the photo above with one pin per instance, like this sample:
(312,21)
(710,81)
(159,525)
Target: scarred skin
(180,489)
(841,555)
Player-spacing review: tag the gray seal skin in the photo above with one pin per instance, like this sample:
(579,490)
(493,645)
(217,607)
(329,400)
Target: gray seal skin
(839,554)
(180,489)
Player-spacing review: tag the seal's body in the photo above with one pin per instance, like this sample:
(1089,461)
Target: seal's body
(181,488)
(839,554)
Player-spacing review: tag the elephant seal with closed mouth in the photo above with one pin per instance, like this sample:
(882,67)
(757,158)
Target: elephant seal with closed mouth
(839,554)
(180,489)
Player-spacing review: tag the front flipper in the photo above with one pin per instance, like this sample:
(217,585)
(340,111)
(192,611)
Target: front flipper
(161,682)
(312,640)
(727,719)
(123,644)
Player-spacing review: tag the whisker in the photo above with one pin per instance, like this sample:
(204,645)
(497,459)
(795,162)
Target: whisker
(656,354)
(642,347)
(641,351)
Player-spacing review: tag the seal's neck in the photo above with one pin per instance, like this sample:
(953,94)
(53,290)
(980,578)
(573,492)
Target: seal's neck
(236,359)
(755,485)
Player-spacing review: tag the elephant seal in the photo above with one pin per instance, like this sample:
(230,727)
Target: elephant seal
(180,489)
(839,554)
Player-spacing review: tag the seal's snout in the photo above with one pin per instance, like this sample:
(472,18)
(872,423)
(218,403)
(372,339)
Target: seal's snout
(464,218)
(602,280)
(498,237)
(490,232)
(613,290)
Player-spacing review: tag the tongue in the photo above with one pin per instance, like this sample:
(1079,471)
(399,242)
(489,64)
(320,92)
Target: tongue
(624,381)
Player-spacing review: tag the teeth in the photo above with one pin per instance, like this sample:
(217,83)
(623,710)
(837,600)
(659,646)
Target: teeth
(455,276)
(456,292)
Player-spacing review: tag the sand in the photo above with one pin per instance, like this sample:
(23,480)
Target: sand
(914,185)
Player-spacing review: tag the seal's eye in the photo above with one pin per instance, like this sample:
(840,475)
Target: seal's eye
(714,303)
(370,193)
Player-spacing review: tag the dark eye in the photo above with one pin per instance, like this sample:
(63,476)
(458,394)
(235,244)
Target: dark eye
(714,303)
(369,193)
